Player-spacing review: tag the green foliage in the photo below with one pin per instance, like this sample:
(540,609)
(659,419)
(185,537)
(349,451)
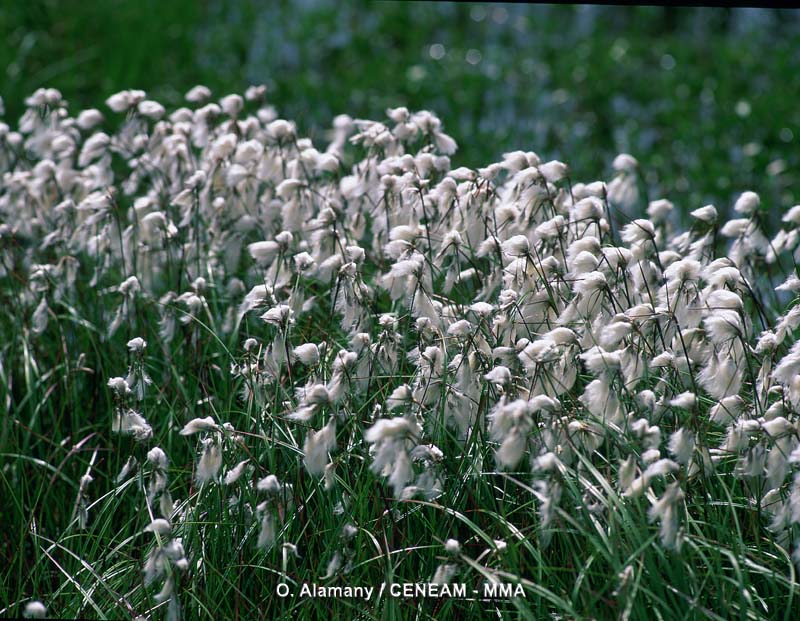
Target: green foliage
(703,98)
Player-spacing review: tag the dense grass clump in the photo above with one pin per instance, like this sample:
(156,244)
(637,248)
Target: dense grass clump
(232,361)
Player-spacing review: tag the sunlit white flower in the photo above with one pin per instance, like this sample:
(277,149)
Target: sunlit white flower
(34,610)
(197,425)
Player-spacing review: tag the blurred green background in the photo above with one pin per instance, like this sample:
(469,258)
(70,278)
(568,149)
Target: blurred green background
(705,98)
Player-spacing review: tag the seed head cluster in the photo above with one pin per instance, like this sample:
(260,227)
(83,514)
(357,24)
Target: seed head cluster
(369,304)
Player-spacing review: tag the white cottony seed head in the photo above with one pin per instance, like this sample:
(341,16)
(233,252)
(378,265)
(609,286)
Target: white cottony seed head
(137,344)
(452,546)
(197,425)
(35,610)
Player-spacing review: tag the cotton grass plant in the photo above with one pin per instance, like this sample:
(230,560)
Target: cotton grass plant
(233,359)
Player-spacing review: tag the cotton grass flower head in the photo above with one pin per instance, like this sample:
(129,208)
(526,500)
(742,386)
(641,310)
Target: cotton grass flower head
(235,473)
(393,438)
(554,171)
(747,203)
(137,345)
(499,375)
(659,210)
(317,446)
(119,386)
(210,462)
(307,353)
(681,445)
(639,230)
(34,610)
(623,189)
(160,526)
(667,511)
(197,425)
(452,547)
(685,400)
(511,423)
(198,94)
(707,214)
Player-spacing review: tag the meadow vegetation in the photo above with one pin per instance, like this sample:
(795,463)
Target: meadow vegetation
(234,358)
(536,325)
